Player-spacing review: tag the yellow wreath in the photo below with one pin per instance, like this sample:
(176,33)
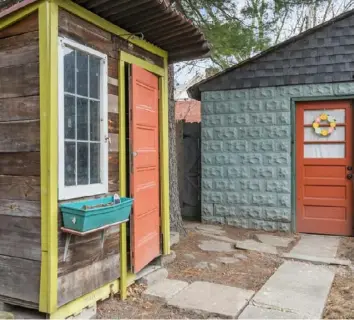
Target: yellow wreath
(329,119)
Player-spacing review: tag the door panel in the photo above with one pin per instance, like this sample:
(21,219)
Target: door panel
(144,178)
(323,191)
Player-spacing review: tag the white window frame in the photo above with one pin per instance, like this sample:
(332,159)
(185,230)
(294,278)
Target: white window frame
(70,192)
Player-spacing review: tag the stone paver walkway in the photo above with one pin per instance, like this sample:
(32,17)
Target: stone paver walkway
(275,241)
(295,290)
(317,249)
(256,246)
(212,298)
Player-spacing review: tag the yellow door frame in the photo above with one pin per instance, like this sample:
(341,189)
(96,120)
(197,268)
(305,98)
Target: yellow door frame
(163,139)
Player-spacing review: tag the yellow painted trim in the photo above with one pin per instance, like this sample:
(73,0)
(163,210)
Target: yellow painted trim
(123,261)
(108,26)
(122,179)
(126,57)
(164,161)
(163,125)
(18,15)
(131,277)
(85,301)
(48,71)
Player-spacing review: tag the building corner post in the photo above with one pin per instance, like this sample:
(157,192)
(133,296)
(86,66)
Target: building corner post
(48,85)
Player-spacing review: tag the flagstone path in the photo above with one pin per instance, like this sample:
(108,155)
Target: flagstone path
(297,290)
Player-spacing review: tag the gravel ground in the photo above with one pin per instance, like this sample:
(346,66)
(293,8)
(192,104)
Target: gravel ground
(340,303)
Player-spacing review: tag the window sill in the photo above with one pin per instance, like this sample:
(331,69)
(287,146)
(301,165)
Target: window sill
(81,191)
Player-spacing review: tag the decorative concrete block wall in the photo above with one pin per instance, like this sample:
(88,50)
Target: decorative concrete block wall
(246,154)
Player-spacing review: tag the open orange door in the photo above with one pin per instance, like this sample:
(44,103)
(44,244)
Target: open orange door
(144,176)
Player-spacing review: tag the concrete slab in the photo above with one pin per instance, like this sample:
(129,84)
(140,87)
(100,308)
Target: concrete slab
(217,237)
(210,229)
(165,260)
(297,287)
(154,277)
(217,246)
(317,260)
(274,240)
(316,246)
(255,246)
(148,269)
(212,298)
(165,289)
(255,312)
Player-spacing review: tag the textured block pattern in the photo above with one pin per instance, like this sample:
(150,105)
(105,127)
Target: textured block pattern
(246,154)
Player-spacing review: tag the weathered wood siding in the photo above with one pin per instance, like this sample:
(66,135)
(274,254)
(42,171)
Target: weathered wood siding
(20,224)
(89,266)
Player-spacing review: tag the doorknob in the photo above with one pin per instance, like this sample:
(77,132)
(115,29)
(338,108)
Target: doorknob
(349,168)
(349,176)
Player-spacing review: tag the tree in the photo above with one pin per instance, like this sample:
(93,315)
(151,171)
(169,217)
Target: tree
(175,208)
(237,30)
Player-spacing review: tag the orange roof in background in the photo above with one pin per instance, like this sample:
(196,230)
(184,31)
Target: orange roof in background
(188,110)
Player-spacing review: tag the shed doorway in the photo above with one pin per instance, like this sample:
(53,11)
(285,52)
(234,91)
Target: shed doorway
(324,167)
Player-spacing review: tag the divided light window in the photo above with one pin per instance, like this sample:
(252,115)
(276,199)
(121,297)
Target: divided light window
(83,132)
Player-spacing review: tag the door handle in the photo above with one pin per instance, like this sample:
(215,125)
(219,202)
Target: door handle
(349,176)
(349,168)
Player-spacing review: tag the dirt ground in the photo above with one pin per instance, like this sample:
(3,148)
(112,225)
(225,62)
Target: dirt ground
(251,271)
(340,303)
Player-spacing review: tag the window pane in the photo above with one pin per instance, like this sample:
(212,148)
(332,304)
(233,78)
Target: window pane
(69,116)
(82,163)
(95,121)
(95,65)
(69,163)
(324,151)
(336,135)
(311,115)
(82,119)
(95,163)
(69,70)
(82,73)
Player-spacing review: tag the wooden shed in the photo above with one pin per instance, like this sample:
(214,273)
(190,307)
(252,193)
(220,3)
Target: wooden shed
(84,114)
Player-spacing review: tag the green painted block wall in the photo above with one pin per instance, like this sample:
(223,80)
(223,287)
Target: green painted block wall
(247,153)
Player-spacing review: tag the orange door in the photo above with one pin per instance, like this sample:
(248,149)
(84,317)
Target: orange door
(144,178)
(323,169)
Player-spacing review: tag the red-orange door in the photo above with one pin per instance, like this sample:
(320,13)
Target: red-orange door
(323,169)
(144,176)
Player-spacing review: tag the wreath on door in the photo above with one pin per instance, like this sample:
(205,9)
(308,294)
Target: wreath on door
(325,131)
